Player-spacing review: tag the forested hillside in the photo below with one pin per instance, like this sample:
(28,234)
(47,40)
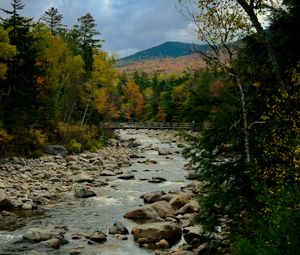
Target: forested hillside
(167,49)
(58,85)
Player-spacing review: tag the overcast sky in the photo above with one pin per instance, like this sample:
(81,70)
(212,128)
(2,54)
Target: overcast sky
(127,26)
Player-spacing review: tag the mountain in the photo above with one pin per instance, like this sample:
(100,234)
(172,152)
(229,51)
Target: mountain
(165,50)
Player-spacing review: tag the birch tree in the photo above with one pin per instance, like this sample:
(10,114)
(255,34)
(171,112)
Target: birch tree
(220,24)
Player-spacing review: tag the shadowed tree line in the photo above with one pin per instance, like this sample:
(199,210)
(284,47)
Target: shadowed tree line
(249,159)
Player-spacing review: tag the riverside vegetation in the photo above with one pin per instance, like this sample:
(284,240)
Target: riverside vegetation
(57,85)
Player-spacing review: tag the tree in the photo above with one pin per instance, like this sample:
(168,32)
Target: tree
(104,78)
(7,51)
(87,38)
(220,24)
(252,9)
(53,19)
(21,83)
(132,102)
(15,18)
(60,74)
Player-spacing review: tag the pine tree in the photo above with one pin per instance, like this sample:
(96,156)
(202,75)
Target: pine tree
(53,19)
(87,33)
(20,86)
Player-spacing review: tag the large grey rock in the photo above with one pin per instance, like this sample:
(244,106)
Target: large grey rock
(53,243)
(113,142)
(118,228)
(181,199)
(56,150)
(144,212)
(152,197)
(84,193)
(5,202)
(193,234)
(163,209)
(98,237)
(37,235)
(154,232)
(190,207)
(157,210)
(128,175)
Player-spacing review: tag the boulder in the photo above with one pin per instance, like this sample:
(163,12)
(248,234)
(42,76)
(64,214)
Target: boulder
(144,212)
(190,207)
(193,234)
(181,199)
(154,232)
(113,142)
(53,243)
(163,209)
(37,235)
(118,228)
(56,150)
(80,177)
(98,237)
(152,197)
(5,202)
(84,193)
(126,175)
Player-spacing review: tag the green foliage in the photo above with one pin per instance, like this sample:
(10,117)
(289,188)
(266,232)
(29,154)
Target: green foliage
(45,77)
(7,51)
(53,19)
(86,38)
(74,146)
(257,202)
(37,154)
(277,232)
(77,138)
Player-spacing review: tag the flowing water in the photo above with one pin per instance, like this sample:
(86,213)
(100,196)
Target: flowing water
(98,213)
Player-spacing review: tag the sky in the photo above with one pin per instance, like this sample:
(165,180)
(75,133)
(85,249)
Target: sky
(127,26)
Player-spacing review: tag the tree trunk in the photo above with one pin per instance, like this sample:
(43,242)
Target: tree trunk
(245,118)
(272,56)
(84,115)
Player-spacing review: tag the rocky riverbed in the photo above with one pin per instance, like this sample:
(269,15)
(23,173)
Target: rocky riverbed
(131,197)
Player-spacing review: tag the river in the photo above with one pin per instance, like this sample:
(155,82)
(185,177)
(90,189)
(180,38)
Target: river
(110,204)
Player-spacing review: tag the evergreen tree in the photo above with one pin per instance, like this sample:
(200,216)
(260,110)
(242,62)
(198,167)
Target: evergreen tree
(87,38)
(53,19)
(20,85)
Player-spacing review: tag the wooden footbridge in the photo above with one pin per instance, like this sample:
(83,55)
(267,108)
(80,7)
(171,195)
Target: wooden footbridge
(150,125)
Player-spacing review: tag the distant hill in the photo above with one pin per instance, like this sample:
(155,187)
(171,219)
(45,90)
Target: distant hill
(178,65)
(165,50)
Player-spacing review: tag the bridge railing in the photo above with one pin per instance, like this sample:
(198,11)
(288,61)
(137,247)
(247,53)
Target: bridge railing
(149,125)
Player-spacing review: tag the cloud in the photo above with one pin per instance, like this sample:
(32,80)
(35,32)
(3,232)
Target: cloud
(126,26)
(126,52)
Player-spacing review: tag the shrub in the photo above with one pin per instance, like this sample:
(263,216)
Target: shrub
(5,139)
(37,154)
(77,138)
(74,146)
